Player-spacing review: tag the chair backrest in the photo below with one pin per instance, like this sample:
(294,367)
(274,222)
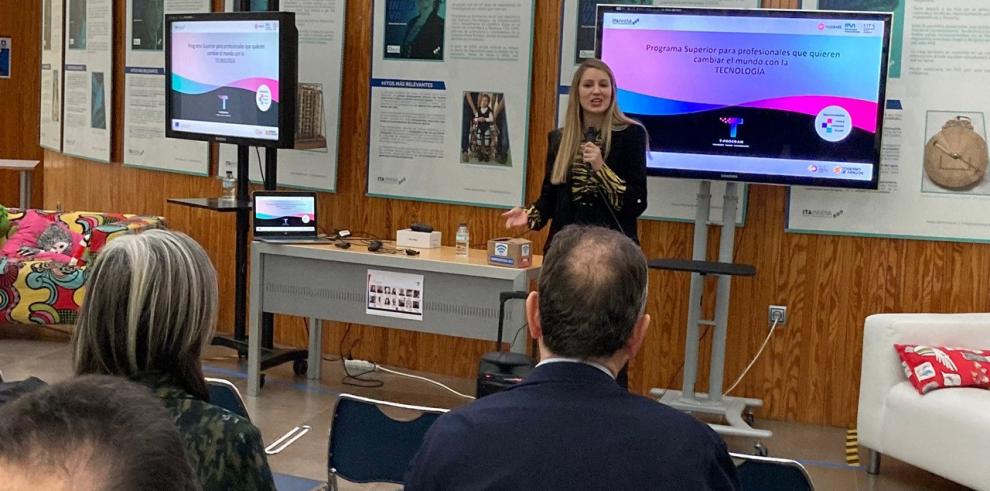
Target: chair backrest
(368,445)
(225,395)
(771,474)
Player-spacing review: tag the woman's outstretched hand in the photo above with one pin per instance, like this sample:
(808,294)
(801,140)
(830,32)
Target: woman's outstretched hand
(515,217)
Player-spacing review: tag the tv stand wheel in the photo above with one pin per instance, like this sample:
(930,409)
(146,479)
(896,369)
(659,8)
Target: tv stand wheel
(760,449)
(300,366)
(748,417)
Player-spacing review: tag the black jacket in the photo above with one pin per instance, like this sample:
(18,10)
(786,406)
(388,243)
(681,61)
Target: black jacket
(627,158)
(570,426)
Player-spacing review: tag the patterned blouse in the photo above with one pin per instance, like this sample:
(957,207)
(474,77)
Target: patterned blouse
(585,185)
(225,450)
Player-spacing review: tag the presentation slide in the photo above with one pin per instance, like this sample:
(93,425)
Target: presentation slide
(778,92)
(225,78)
(284,214)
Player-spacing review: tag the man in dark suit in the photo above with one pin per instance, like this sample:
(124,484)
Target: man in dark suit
(568,425)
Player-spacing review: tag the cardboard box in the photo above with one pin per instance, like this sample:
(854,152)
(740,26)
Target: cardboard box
(417,240)
(510,252)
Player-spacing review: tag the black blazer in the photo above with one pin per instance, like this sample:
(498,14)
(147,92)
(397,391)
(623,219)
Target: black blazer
(627,158)
(570,426)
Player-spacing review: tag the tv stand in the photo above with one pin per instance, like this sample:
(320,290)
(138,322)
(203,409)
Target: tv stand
(271,356)
(735,410)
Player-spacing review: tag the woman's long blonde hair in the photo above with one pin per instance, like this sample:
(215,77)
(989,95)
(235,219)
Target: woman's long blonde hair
(571,135)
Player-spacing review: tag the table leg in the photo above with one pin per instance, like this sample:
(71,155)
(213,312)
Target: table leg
(254,336)
(315,348)
(25,189)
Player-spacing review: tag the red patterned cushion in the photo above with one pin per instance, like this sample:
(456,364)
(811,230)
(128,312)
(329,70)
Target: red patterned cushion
(935,367)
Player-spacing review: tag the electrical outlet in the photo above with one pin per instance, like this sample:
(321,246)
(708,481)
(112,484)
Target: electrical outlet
(778,312)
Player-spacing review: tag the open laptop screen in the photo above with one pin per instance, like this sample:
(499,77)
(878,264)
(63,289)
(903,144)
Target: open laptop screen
(284,214)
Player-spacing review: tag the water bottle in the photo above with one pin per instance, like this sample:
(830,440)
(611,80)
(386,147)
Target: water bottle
(462,240)
(229,187)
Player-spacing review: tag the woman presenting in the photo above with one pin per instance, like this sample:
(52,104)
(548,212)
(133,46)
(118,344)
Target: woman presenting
(596,163)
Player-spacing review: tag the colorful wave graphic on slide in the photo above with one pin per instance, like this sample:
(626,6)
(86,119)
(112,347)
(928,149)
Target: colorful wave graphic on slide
(279,216)
(863,113)
(192,87)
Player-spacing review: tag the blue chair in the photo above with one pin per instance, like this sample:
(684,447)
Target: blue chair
(771,474)
(368,445)
(225,395)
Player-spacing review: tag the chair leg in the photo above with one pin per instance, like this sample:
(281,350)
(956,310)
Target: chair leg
(332,481)
(873,464)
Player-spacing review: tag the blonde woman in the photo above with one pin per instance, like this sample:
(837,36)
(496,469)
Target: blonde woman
(596,163)
(149,311)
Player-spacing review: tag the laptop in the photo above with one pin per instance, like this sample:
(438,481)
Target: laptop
(286,217)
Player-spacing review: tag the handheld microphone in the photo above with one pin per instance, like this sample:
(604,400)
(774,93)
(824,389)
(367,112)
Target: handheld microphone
(591,134)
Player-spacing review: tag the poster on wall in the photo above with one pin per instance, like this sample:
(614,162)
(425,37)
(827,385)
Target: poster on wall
(667,199)
(313,162)
(51,75)
(933,161)
(145,144)
(449,100)
(88,79)
(4,57)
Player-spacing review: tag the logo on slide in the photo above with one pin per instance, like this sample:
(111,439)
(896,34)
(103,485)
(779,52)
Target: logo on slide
(625,22)
(734,124)
(263,97)
(305,218)
(223,102)
(833,124)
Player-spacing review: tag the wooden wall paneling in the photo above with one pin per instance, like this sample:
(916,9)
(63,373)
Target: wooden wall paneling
(19,123)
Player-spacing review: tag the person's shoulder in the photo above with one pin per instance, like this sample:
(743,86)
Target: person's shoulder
(200,417)
(632,131)
(487,411)
(667,419)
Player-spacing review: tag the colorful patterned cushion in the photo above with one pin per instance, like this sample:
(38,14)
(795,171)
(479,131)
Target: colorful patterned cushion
(935,367)
(26,234)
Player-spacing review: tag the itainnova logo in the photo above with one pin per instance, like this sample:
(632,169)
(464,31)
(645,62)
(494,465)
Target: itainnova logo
(625,21)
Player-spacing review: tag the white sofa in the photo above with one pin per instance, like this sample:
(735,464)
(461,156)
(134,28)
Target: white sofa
(947,431)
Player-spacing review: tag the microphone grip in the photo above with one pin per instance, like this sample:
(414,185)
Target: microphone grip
(590,135)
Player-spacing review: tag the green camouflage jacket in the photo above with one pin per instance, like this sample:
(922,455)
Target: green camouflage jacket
(225,450)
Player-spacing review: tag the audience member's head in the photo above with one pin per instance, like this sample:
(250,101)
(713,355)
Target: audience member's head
(591,296)
(91,433)
(150,308)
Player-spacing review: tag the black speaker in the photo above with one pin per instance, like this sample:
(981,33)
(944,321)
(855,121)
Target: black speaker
(499,370)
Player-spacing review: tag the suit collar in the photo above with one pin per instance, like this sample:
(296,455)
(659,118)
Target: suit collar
(569,372)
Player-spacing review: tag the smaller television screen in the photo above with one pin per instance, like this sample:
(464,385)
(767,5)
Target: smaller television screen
(766,96)
(232,77)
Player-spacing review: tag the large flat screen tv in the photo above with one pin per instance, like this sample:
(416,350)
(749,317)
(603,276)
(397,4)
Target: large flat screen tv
(764,96)
(231,77)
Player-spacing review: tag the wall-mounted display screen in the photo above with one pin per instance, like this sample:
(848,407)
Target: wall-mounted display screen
(232,77)
(767,96)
